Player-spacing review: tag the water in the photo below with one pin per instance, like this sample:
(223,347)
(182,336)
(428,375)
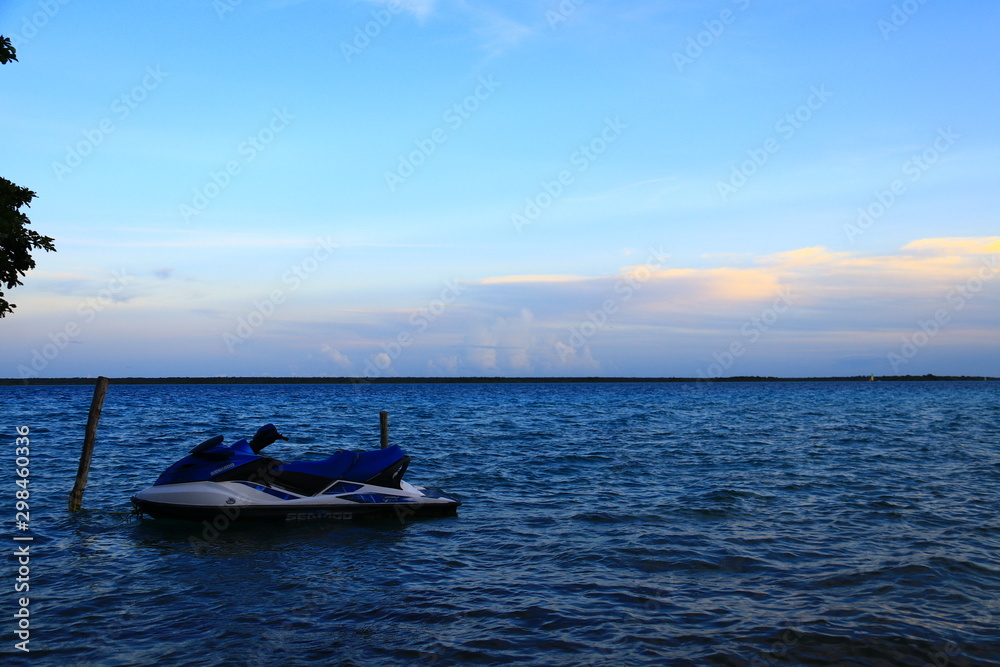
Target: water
(603,524)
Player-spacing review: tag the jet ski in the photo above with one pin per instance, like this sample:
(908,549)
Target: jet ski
(217,482)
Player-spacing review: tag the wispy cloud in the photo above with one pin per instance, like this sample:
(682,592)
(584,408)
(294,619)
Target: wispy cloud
(497,32)
(989,245)
(536,278)
(418,8)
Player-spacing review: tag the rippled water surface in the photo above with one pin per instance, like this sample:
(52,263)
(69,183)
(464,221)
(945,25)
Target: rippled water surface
(604,524)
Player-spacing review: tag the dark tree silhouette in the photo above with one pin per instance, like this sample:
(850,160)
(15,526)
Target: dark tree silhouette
(7,52)
(16,240)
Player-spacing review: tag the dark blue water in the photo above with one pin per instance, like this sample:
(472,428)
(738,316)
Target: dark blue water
(604,524)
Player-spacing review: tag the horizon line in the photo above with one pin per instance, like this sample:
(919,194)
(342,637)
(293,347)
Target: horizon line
(295,379)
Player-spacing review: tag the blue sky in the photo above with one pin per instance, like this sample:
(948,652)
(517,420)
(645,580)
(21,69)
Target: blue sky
(695,189)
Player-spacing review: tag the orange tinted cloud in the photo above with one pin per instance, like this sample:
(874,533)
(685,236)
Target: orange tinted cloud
(984,245)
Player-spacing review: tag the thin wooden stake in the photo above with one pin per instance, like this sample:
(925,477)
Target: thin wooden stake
(76,495)
(383,423)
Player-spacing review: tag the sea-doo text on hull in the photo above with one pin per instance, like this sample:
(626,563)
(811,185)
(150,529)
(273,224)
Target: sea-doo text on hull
(238,483)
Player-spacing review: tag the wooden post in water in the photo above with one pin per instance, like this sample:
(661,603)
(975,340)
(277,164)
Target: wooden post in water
(76,495)
(383,424)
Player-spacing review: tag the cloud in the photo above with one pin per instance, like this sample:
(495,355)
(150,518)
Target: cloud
(829,299)
(535,278)
(799,311)
(499,33)
(988,245)
(504,346)
(803,257)
(496,32)
(137,237)
(922,271)
(723,285)
(421,9)
(339,360)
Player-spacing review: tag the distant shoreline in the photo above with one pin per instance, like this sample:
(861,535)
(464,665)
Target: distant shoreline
(477,380)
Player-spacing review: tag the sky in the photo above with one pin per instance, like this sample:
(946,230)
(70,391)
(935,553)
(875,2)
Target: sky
(551,188)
